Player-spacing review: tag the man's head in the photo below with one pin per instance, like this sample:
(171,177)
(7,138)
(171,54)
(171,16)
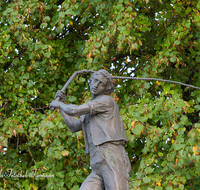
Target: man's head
(101,82)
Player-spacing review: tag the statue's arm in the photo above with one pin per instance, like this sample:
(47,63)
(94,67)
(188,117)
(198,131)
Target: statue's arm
(72,123)
(69,112)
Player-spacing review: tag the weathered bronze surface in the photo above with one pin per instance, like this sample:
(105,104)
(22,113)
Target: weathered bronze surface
(104,134)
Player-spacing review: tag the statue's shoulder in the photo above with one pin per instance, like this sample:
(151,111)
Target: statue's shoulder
(106,99)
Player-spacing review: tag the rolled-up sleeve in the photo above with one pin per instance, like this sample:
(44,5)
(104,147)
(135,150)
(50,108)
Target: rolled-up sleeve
(100,105)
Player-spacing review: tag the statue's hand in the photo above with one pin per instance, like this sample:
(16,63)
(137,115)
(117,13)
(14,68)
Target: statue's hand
(60,94)
(54,104)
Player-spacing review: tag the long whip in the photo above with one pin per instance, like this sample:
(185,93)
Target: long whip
(119,77)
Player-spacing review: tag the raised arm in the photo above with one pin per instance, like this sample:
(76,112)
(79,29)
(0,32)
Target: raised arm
(69,112)
(72,123)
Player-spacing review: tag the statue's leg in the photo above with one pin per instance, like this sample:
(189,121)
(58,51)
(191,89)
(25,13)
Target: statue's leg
(92,182)
(116,169)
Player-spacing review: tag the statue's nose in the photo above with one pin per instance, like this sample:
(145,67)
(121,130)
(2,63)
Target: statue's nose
(96,84)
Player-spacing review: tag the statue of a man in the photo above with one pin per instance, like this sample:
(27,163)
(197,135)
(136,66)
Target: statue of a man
(104,134)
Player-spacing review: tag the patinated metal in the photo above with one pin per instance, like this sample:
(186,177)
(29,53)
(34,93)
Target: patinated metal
(104,134)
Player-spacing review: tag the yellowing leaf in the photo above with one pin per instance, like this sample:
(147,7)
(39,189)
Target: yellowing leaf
(159,184)
(71,23)
(14,132)
(34,186)
(157,82)
(29,68)
(89,55)
(195,150)
(172,140)
(65,152)
(185,110)
(116,98)
(133,123)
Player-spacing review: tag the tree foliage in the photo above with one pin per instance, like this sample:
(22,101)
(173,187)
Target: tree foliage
(43,42)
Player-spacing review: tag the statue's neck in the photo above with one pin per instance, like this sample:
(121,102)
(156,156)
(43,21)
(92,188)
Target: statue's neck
(94,97)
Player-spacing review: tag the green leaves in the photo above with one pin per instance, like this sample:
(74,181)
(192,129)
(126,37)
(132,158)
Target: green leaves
(106,40)
(43,25)
(137,129)
(146,179)
(60,174)
(62,14)
(72,98)
(97,45)
(43,132)
(47,18)
(177,42)
(7,37)
(134,46)
(43,44)
(48,54)
(173,59)
(148,170)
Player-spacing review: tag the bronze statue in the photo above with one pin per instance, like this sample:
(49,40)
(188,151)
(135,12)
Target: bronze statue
(104,134)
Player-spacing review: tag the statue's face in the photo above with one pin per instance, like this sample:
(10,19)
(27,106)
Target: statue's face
(98,85)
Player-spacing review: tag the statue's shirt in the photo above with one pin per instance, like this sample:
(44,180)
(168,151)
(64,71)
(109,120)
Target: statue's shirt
(104,123)
(88,133)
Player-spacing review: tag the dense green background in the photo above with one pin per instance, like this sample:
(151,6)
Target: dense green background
(43,42)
